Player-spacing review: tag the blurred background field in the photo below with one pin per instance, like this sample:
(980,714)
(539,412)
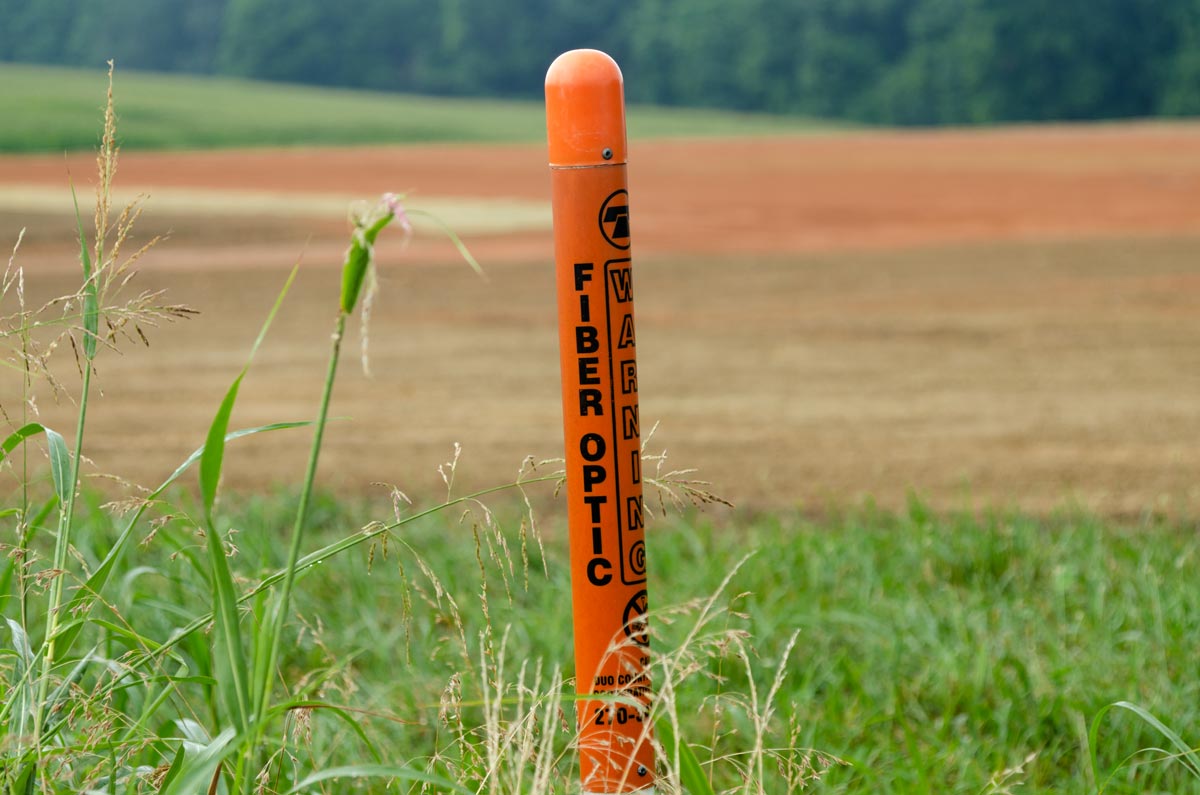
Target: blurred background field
(918,289)
(982,317)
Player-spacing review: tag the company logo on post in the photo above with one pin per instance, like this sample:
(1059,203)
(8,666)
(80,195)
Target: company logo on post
(614,219)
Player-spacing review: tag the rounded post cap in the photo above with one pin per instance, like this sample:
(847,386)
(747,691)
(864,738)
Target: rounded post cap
(585,110)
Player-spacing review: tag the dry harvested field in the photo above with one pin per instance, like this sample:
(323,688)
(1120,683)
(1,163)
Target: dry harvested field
(987,318)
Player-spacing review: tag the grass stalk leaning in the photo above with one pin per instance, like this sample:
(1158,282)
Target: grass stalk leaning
(86,353)
(41,699)
(357,274)
(61,546)
(276,631)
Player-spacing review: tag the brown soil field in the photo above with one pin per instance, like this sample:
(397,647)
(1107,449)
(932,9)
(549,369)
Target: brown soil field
(1003,318)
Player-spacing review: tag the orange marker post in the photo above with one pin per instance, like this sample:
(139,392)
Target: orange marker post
(585,119)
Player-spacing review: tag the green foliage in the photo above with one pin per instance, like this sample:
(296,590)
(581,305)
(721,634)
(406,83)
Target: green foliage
(691,774)
(91,291)
(234,678)
(879,61)
(60,459)
(359,258)
(1179,752)
(935,652)
(938,652)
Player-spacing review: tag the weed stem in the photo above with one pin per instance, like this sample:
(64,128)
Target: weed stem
(61,546)
(301,515)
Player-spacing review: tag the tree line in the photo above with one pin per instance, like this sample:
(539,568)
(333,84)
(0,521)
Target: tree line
(875,61)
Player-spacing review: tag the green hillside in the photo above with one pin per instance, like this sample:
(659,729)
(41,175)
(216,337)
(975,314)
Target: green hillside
(896,62)
(51,109)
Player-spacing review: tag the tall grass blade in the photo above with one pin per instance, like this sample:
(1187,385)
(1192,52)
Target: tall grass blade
(329,551)
(173,771)
(454,238)
(229,437)
(234,679)
(80,605)
(60,458)
(261,681)
(339,712)
(679,754)
(15,438)
(213,453)
(359,266)
(31,525)
(1186,755)
(196,774)
(65,468)
(91,301)
(25,782)
(19,695)
(229,655)
(271,630)
(21,699)
(213,456)
(21,645)
(60,466)
(57,698)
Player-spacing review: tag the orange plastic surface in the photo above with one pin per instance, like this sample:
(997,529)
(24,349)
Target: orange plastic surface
(598,345)
(585,110)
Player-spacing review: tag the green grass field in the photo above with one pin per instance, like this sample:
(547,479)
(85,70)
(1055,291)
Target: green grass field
(935,652)
(51,109)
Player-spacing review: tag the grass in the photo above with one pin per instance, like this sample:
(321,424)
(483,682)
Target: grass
(168,642)
(935,652)
(52,109)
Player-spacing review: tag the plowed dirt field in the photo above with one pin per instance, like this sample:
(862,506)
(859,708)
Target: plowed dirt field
(985,318)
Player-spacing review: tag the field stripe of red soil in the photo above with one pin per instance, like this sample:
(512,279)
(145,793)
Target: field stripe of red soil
(768,195)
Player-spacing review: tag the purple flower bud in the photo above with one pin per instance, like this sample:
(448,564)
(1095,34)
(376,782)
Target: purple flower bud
(396,207)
